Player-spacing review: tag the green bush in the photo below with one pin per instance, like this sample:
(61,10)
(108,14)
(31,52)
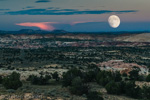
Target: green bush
(55,76)
(70,75)
(148,78)
(94,96)
(104,77)
(1,79)
(78,87)
(134,74)
(124,75)
(128,88)
(132,90)
(113,88)
(12,81)
(146,92)
(89,76)
(117,77)
(39,80)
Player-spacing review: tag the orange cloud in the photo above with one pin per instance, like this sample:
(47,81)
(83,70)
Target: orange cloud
(42,25)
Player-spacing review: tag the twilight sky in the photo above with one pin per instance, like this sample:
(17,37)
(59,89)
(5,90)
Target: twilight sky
(74,15)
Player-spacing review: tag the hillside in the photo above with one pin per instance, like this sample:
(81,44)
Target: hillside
(144,37)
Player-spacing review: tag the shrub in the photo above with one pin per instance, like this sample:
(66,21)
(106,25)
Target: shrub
(146,92)
(78,87)
(132,90)
(92,66)
(1,79)
(148,78)
(113,88)
(39,80)
(134,74)
(55,76)
(94,96)
(89,76)
(12,81)
(70,75)
(117,77)
(104,77)
(124,75)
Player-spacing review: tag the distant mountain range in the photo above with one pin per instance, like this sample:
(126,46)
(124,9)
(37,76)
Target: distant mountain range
(24,31)
(100,36)
(30,31)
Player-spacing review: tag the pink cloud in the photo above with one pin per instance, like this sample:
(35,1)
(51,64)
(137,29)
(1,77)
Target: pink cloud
(42,25)
(78,22)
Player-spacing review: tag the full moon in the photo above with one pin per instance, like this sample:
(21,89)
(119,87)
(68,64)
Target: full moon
(114,21)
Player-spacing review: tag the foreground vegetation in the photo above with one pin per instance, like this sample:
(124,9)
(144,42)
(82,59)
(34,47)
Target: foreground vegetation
(78,82)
